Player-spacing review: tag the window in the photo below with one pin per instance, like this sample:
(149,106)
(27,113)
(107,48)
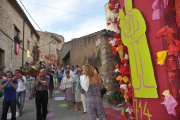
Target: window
(31,35)
(1,56)
(16,32)
(28,45)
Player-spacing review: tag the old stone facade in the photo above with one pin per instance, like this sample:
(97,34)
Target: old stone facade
(50,43)
(92,49)
(13,23)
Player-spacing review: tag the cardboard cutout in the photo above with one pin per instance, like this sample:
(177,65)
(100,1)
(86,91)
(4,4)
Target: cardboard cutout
(133,28)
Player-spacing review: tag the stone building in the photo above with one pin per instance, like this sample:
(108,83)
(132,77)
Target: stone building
(54,43)
(14,23)
(92,49)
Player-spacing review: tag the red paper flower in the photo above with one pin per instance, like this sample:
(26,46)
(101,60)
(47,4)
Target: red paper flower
(117,66)
(118,42)
(122,90)
(118,24)
(168,32)
(129,93)
(172,63)
(118,36)
(125,117)
(132,114)
(124,60)
(127,104)
(171,76)
(114,52)
(117,10)
(108,23)
(177,43)
(125,50)
(122,68)
(173,49)
(121,82)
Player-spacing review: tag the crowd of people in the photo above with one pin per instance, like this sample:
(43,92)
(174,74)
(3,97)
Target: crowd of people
(82,87)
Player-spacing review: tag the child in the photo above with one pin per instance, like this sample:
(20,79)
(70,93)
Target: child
(55,77)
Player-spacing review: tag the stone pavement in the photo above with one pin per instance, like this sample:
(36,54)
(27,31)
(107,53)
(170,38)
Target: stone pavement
(60,113)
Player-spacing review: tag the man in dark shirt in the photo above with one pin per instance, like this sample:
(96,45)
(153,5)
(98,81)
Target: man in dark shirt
(10,85)
(41,85)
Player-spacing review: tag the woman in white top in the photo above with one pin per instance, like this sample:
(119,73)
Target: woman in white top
(67,80)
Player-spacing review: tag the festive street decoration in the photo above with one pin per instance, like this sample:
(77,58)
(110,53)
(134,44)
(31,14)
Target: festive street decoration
(133,28)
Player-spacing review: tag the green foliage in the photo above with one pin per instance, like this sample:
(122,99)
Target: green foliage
(16,38)
(2,67)
(40,67)
(116,95)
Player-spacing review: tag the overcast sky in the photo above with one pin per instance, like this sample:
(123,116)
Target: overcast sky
(67,24)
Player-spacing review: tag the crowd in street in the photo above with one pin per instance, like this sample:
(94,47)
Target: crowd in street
(83,90)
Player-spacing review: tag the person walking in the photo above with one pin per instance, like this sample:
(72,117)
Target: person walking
(10,85)
(72,72)
(51,86)
(41,86)
(67,69)
(30,86)
(83,98)
(21,91)
(90,83)
(47,75)
(76,90)
(60,73)
(55,77)
(67,88)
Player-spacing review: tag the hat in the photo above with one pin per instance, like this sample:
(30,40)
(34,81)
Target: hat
(78,70)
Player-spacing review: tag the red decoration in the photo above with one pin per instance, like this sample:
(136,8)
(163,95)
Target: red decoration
(118,42)
(177,9)
(125,50)
(122,68)
(168,32)
(121,82)
(124,60)
(171,76)
(127,104)
(122,90)
(173,49)
(17,48)
(117,66)
(174,91)
(172,63)
(178,108)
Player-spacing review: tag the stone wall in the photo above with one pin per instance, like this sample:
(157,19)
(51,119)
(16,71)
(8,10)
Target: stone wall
(46,37)
(94,50)
(10,18)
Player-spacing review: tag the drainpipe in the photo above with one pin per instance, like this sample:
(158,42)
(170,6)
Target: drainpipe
(23,43)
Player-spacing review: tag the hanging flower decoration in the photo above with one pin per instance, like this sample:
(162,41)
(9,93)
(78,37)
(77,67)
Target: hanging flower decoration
(119,49)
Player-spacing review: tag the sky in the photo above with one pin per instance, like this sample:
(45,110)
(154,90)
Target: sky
(68,24)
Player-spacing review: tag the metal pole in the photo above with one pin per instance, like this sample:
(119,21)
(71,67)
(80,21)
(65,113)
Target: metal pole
(23,43)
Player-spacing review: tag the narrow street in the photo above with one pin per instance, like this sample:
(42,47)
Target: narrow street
(62,113)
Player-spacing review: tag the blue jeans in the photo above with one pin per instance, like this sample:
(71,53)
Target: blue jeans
(22,99)
(60,79)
